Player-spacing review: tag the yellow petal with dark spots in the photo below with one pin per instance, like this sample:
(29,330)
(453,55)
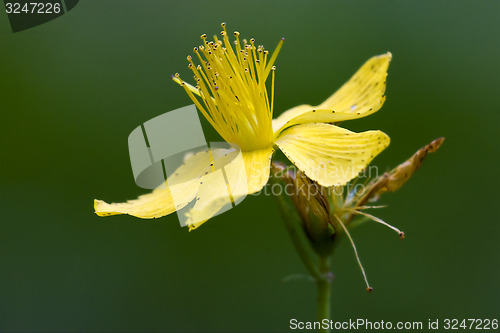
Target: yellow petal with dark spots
(152,205)
(212,198)
(329,154)
(361,96)
(183,183)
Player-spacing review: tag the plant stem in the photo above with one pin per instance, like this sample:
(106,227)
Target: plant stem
(323,285)
(317,264)
(299,241)
(297,234)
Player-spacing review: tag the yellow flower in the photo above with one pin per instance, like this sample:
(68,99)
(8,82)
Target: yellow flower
(231,93)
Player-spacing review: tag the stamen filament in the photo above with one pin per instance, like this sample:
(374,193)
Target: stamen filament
(365,207)
(378,220)
(368,287)
(272,90)
(273,58)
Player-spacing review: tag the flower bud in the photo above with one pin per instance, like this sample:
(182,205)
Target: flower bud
(311,203)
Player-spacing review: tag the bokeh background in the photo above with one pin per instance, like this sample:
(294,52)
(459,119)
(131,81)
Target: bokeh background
(73,89)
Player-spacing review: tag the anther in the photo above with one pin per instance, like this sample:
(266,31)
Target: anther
(273,68)
(236,33)
(369,289)
(189,58)
(252,40)
(402,235)
(177,75)
(195,50)
(204,36)
(223,24)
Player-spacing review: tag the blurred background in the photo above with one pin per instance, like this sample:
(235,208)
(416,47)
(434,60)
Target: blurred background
(72,90)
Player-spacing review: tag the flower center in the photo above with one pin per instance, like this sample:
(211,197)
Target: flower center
(231,89)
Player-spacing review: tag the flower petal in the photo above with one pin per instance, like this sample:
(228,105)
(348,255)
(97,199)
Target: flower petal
(257,167)
(183,183)
(329,154)
(212,198)
(361,96)
(212,194)
(152,205)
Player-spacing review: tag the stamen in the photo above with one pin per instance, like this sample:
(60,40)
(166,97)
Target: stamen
(368,287)
(378,220)
(365,207)
(231,83)
(272,89)
(273,57)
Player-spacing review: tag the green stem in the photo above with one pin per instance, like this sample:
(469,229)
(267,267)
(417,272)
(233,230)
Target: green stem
(299,240)
(320,268)
(323,285)
(296,231)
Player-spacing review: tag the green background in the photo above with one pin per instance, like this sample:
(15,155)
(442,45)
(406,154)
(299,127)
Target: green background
(73,89)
